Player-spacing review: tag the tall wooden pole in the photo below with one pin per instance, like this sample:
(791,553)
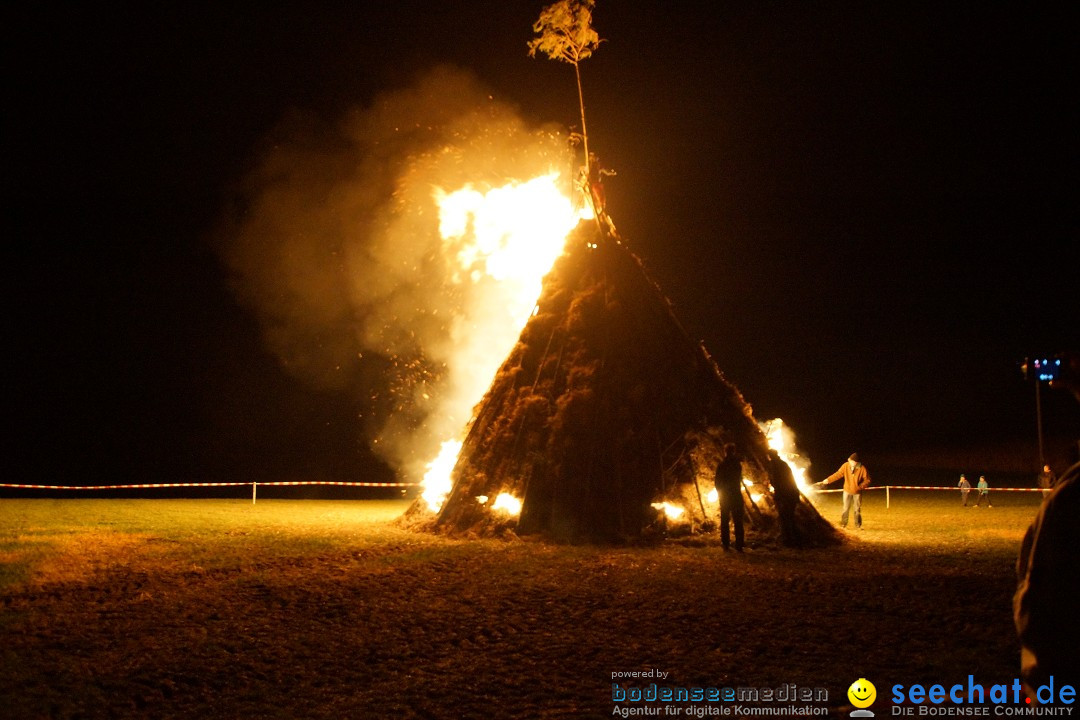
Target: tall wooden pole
(1038,421)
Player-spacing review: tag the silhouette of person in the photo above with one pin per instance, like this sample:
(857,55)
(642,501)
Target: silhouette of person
(786,496)
(1047,596)
(1046,480)
(1048,576)
(729,486)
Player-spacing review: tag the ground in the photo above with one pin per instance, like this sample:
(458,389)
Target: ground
(327,609)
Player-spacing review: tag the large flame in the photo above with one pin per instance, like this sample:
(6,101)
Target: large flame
(507,238)
(782,439)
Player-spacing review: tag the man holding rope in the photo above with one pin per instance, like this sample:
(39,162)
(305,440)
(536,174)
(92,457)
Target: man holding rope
(856,479)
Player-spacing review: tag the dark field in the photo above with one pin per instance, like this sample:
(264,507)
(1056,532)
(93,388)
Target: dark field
(326,609)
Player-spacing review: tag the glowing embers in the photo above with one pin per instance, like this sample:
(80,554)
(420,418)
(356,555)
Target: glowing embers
(672,512)
(508,504)
(504,503)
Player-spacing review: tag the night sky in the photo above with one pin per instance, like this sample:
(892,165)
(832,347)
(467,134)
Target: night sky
(865,210)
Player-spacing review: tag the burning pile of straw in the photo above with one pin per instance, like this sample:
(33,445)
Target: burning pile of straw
(606,421)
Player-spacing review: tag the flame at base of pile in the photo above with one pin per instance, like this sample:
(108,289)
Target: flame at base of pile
(437,484)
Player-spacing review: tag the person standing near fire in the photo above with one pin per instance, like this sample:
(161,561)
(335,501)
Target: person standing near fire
(729,487)
(786,497)
(856,479)
(965,490)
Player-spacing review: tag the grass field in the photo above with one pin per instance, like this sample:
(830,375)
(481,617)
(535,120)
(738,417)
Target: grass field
(327,609)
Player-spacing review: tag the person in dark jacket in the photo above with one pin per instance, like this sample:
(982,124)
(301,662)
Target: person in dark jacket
(1046,480)
(786,496)
(965,489)
(1047,596)
(729,487)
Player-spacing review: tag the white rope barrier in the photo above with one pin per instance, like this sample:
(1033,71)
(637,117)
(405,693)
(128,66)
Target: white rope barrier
(139,486)
(933,487)
(119,487)
(343,483)
(957,488)
(254,485)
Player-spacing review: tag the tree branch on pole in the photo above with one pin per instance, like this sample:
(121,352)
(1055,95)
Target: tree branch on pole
(565,33)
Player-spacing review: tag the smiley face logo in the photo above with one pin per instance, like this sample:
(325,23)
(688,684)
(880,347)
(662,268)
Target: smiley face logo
(862,693)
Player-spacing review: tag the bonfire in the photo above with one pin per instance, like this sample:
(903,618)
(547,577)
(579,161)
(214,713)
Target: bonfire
(605,421)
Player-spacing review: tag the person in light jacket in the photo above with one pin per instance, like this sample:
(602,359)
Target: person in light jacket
(856,479)
(984,492)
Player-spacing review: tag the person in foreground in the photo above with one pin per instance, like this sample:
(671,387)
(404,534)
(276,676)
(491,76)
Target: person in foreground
(856,479)
(1046,605)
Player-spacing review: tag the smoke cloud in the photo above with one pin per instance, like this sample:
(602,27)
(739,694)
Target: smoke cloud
(334,245)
